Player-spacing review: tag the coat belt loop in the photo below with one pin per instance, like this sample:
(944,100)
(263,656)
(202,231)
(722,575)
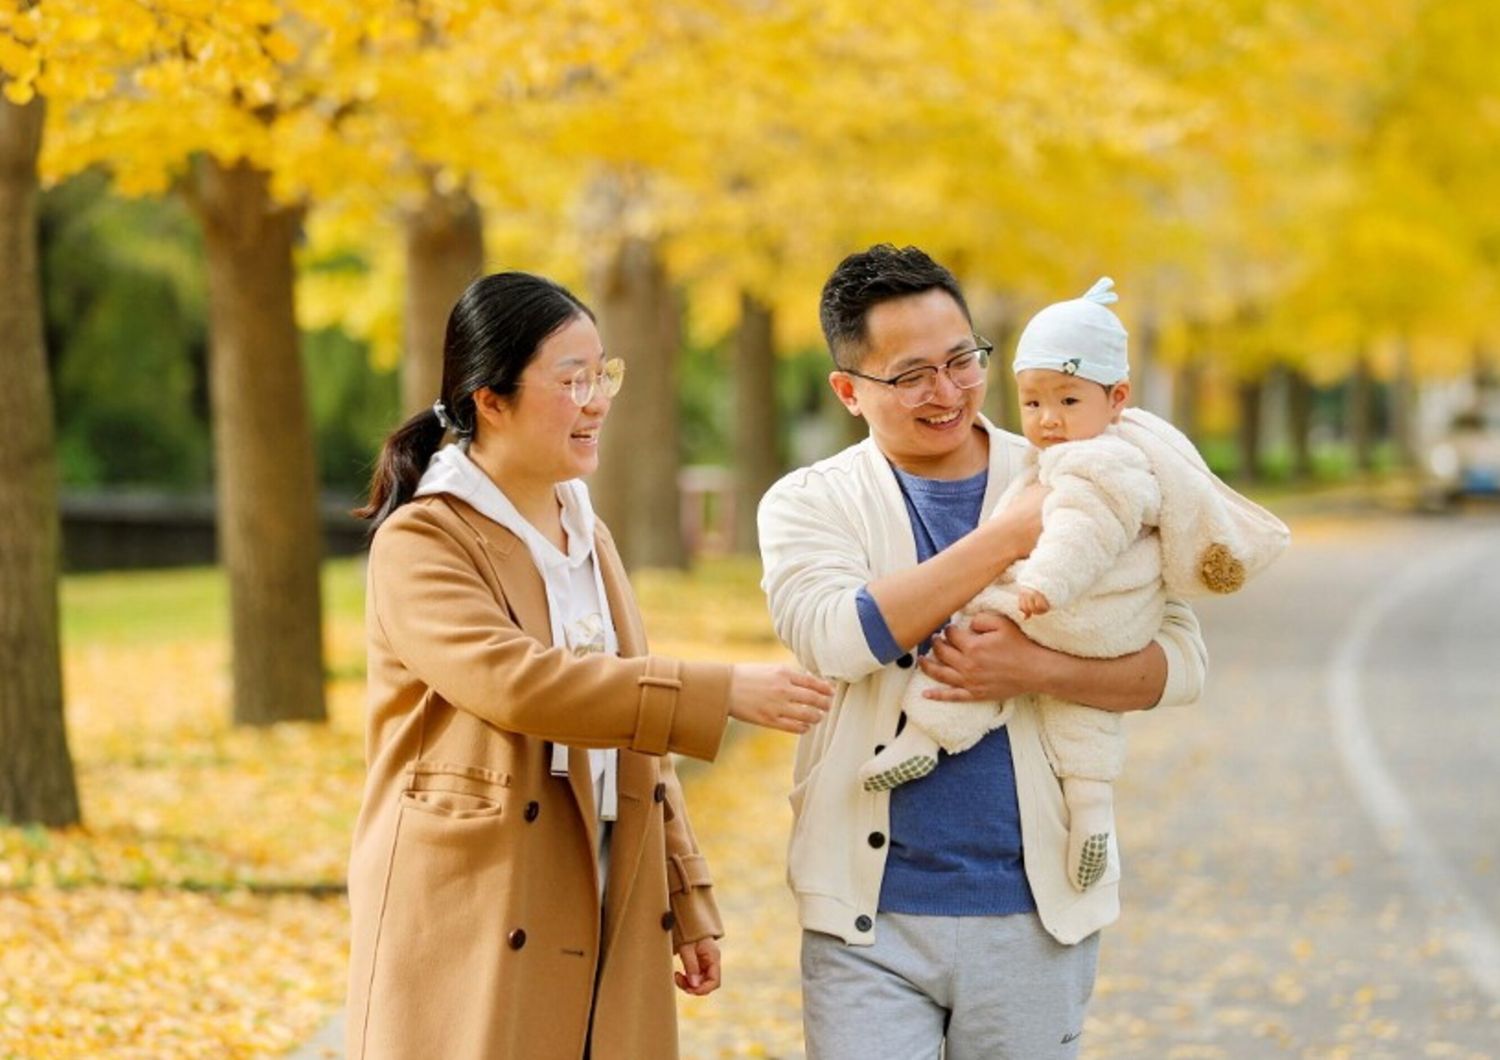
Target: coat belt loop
(559,760)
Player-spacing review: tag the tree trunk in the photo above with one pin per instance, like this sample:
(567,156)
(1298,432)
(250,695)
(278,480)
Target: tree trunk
(1001,404)
(444,254)
(1360,414)
(36,771)
(1144,364)
(1403,406)
(636,486)
(1185,398)
(1249,393)
(1299,422)
(1482,371)
(757,427)
(265,477)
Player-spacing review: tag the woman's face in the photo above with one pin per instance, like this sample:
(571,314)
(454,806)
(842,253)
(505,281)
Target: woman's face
(541,425)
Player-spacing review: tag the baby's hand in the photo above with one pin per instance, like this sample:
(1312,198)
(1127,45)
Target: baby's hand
(1033,603)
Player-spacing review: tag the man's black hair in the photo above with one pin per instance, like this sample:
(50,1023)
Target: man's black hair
(864,280)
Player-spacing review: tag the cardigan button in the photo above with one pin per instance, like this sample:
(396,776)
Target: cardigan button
(877,840)
(533,810)
(517,939)
(668,921)
(863,924)
(659,793)
(906,661)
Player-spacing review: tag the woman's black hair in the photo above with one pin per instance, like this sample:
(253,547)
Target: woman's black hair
(494,332)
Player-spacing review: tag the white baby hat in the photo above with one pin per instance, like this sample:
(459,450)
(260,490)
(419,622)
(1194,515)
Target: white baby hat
(1080,337)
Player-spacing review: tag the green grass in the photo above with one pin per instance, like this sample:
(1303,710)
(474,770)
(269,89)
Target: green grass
(716,609)
(133,607)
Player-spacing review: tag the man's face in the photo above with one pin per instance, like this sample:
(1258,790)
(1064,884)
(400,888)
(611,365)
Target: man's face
(937,438)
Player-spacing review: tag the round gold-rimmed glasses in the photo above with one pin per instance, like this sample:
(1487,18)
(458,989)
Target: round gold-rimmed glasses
(584,383)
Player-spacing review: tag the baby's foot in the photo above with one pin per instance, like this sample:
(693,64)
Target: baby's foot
(910,756)
(1090,822)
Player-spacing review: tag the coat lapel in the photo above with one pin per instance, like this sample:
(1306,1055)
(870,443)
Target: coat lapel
(622,609)
(520,581)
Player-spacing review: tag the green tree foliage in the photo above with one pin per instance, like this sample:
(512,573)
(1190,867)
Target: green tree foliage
(125,314)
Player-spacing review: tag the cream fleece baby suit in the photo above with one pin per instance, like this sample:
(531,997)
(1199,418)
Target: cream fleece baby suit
(1131,514)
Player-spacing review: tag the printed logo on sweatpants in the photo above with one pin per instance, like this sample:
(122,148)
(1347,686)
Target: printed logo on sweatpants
(1068,1039)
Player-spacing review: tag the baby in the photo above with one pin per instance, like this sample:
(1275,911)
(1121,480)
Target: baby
(1132,513)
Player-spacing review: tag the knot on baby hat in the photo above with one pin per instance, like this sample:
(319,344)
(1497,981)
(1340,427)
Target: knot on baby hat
(1080,337)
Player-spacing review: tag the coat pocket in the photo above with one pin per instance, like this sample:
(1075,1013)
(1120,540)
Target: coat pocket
(454,790)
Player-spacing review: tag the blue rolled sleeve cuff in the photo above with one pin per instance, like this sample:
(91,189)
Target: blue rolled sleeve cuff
(877,634)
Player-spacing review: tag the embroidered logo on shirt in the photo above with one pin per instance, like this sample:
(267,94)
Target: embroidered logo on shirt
(586,636)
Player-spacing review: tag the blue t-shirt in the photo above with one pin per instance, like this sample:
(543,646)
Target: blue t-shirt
(955,834)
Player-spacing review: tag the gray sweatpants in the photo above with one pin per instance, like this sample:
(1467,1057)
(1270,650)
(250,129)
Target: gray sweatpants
(989,987)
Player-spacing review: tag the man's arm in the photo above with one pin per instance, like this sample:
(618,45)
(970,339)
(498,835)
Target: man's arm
(816,570)
(993,661)
(916,601)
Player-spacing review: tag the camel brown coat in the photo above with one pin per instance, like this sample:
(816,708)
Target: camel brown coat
(478,929)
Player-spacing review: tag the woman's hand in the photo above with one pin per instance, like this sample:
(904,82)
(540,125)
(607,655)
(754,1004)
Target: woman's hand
(778,697)
(700,967)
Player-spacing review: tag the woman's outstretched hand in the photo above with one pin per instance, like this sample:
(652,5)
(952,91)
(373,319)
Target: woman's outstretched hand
(778,697)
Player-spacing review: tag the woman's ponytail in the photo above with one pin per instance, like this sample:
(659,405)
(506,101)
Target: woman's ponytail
(403,458)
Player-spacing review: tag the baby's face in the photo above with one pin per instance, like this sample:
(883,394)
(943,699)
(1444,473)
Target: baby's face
(1057,407)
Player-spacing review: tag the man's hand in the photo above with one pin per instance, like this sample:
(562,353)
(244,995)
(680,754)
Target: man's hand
(1020,523)
(701,968)
(991,661)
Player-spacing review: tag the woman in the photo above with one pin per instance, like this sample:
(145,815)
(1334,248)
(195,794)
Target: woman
(523,868)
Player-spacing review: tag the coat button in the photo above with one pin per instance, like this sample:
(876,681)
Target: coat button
(906,661)
(533,810)
(877,840)
(517,939)
(668,921)
(863,924)
(659,793)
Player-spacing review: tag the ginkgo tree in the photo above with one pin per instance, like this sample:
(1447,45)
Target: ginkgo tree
(47,58)
(36,774)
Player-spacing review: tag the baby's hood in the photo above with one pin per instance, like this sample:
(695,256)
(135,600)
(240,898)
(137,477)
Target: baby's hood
(1213,538)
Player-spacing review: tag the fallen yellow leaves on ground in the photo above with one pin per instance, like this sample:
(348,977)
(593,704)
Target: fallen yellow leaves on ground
(199,912)
(103,971)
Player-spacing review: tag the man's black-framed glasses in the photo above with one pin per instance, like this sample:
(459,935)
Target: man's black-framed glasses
(916,386)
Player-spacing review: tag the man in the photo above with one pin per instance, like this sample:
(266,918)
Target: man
(938,912)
